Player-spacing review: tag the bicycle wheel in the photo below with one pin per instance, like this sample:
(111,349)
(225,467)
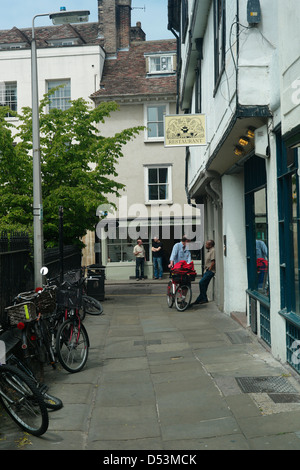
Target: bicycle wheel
(51,402)
(23,401)
(47,338)
(91,306)
(183,297)
(72,345)
(170,296)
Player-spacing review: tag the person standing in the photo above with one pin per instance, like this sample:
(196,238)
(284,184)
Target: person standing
(261,263)
(157,258)
(209,272)
(140,254)
(180,252)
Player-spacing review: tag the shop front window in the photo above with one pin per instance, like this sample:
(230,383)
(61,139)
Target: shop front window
(295,230)
(289,226)
(120,249)
(257,226)
(261,241)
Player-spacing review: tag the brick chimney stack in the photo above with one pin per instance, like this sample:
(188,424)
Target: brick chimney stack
(114,23)
(124,23)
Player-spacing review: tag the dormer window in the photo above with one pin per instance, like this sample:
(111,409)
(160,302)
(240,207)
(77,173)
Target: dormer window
(63,42)
(10,46)
(161,63)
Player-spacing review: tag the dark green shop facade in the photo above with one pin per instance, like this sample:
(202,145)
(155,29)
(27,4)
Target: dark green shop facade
(260,289)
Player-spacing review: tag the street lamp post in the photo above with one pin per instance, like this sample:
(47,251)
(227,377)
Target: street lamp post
(61,17)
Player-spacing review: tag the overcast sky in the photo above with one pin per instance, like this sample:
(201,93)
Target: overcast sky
(19,13)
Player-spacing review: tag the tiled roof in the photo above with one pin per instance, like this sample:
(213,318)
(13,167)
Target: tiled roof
(14,35)
(65,31)
(127,74)
(87,32)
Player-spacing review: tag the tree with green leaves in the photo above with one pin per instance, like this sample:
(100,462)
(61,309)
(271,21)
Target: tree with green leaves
(78,168)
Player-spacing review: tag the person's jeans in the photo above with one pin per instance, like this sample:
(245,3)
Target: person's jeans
(203,285)
(139,267)
(158,268)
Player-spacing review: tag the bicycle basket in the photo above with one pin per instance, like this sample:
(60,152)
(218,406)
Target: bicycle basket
(176,277)
(46,300)
(23,297)
(73,276)
(183,278)
(69,297)
(24,312)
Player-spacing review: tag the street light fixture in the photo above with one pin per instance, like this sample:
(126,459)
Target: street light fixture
(61,17)
(65,17)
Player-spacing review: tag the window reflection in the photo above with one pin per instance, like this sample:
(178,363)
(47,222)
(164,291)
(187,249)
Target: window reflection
(294,229)
(261,237)
(121,249)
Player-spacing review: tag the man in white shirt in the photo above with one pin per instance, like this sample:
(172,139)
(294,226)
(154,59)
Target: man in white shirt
(140,254)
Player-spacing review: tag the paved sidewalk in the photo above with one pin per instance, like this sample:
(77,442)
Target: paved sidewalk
(159,379)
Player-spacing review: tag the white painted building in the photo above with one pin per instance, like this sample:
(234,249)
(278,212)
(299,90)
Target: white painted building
(111,60)
(141,77)
(67,55)
(241,68)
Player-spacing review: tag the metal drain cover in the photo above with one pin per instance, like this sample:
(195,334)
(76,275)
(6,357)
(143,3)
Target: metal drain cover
(265,385)
(285,397)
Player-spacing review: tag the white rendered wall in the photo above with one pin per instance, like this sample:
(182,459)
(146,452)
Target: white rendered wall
(81,64)
(235,267)
(278,323)
(289,54)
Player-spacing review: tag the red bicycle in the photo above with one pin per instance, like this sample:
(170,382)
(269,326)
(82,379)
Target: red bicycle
(179,290)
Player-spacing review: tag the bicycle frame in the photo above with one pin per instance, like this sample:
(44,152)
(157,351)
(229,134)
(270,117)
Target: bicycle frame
(74,314)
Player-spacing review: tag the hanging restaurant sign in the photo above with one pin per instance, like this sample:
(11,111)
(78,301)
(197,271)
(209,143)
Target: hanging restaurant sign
(185,130)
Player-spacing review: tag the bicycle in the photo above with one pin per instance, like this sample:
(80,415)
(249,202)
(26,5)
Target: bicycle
(39,324)
(57,335)
(90,305)
(76,278)
(23,401)
(51,402)
(32,345)
(179,290)
(72,341)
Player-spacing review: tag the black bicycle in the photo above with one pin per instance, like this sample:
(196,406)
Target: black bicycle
(22,353)
(23,401)
(72,341)
(89,305)
(34,313)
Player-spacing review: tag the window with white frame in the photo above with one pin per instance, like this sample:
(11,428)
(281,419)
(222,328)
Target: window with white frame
(61,97)
(161,64)
(8,95)
(164,63)
(155,121)
(158,187)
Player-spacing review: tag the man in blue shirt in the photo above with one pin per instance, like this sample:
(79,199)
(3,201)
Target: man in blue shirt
(261,249)
(180,252)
